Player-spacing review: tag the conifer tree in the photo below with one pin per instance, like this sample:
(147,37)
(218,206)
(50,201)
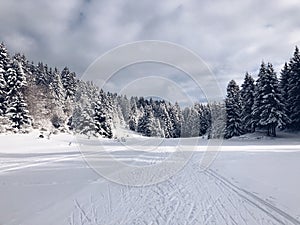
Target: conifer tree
(133,116)
(284,81)
(4,61)
(268,110)
(293,92)
(247,98)
(86,124)
(176,120)
(102,117)
(233,111)
(68,80)
(125,107)
(185,118)
(217,119)
(56,86)
(204,119)
(41,77)
(148,125)
(17,110)
(165,121)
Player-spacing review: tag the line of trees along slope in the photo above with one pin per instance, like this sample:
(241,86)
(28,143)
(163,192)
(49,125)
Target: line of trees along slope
(37,96)
(268,103)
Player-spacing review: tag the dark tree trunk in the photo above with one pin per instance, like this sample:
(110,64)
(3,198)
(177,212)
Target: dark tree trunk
(268,132)
(274,130)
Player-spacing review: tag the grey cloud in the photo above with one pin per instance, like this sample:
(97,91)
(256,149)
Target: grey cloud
(232,37)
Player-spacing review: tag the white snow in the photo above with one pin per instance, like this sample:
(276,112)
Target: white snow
(253,180)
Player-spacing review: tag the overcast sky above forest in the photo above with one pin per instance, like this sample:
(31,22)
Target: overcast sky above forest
(232,37)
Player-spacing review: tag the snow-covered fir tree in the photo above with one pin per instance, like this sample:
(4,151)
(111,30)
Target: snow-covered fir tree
(82,101)
(26,66)
(233,111)
(293,92)
(56,86)
(202,118)
(285,87)
(41,76)
(68,80)
(18,113)
(284,81)
(86,124)
(176,119)
(148,125)
(102,117)
(165,121)
(4,61)
(117,118)
(217,120)
(268,109)
(204,114)
(56,98)
(17,110)
(258,96)
(247,98)
(5,123)
(191,124)
(133,116)
(2,93)
(125,107)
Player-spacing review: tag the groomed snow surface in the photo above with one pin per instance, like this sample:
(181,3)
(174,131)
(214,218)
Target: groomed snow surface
(253,180)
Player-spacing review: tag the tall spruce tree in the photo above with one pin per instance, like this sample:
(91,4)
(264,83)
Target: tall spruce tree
(247,98)
(133,116)
(86,124)
(258,97)
(217,120)
(293,91)
(176,120)
(56,86)
(5,123)
(17,110)
(284,81)
(184,127)
(2,93)
(68,80)
(41,77)
(165,121)
(125,107)
(191,122)
(204,119)
(4,61)
(102,117)
(148,125)
(233,110)
(269,110)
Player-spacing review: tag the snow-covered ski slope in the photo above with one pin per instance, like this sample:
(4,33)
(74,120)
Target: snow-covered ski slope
(253,180)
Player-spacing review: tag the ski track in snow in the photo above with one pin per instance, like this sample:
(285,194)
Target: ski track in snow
(36,161)
(190,197)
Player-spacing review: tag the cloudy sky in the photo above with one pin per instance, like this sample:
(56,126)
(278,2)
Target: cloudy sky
(230,36)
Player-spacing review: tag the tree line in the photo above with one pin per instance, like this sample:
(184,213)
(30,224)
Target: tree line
(267,103)
(37,96)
